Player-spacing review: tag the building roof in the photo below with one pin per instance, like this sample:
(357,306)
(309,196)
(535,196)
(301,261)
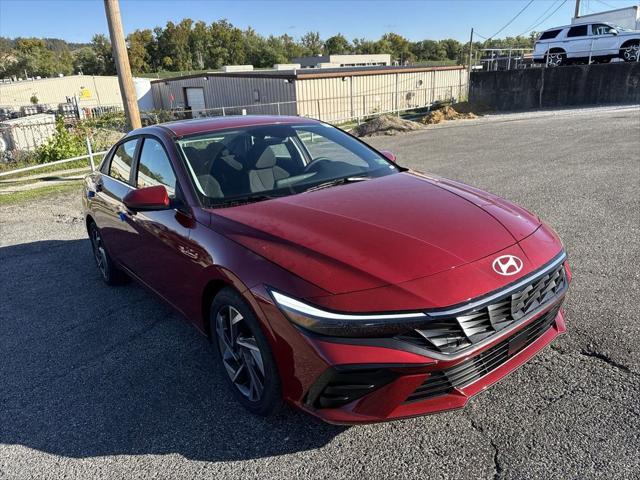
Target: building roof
(309,73)
(204,125)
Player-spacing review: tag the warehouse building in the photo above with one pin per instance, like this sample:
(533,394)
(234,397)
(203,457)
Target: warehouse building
(324,61)
(329,94)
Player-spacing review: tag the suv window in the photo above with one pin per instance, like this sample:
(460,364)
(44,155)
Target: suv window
(122,159)
(579,31)
(549,34)
(154,167)
(601,29)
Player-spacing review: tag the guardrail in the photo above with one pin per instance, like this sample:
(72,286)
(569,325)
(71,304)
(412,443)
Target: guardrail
(91,156)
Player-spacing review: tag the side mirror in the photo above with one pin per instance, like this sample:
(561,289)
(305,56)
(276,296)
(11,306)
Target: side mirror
(389,155)
(149,198)
(613,31)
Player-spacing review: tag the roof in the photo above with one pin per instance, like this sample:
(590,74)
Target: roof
(204,125)
(308,73)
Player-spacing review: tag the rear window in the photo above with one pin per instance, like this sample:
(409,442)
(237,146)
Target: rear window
(549,34)
(580,31)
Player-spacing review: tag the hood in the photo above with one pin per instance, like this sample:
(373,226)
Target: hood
(378,232)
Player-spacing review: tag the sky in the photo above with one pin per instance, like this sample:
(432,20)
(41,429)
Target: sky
(78,20)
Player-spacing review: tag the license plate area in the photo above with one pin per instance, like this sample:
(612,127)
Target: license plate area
(517,343)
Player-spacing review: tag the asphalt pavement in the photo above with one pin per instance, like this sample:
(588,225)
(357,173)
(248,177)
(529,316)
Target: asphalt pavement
(99,382)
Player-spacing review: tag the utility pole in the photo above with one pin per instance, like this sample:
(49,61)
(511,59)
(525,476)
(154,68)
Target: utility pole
(470,53)
(577,13)
(112,9)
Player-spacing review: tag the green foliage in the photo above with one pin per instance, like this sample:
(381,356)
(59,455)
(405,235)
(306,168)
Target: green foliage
(34,99)
(190,46)
(63,144)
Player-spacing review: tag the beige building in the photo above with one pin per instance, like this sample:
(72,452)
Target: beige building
(329,94)
(92,91)
(323,61)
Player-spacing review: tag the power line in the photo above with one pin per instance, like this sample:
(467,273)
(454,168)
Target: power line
(605,4)
(511,21)
(553,4)
(546,18)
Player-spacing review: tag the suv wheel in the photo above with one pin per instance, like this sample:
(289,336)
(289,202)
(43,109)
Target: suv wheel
(631,53)
(555,59)
(245,353)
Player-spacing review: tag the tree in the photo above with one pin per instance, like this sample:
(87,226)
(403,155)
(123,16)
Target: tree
(398,46)
(337,45)
(312,43)
(86,61)
(140,44)
(101,47)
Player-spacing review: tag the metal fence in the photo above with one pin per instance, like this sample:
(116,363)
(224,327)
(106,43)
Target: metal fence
(492,59)
(337,110)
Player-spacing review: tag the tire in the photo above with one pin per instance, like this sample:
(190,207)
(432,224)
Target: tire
(244,353)
(109,272)
(630,52)
(556,59)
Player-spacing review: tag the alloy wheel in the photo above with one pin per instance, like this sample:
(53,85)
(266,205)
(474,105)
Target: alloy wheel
(632,53)
(240,353)
(99,252)
(555,59)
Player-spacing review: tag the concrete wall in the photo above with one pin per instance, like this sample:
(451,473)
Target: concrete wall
(557,87)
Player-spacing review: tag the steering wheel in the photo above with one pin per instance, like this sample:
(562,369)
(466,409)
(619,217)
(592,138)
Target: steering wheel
(313,165)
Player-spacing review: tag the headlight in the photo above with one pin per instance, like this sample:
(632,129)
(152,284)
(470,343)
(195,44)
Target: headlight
(346,324)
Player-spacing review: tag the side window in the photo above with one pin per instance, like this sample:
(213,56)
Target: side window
(122,159)
(549,34)
(579,31)
(154,167)
(600,29)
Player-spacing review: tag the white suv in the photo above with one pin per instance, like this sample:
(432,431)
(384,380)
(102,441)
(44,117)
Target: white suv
(600,41)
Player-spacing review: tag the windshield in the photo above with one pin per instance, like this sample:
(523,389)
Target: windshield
(256,163)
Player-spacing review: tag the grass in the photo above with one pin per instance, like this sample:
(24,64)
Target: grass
(39,193)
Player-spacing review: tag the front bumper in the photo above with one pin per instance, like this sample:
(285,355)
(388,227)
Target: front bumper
(407,384)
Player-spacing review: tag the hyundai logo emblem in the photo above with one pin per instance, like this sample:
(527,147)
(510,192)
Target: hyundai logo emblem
(507,265)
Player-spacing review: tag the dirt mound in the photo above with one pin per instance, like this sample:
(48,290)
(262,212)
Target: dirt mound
(445,113)
(385,125)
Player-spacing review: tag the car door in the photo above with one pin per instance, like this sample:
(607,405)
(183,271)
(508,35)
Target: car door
(162,255)
(111,185)
(578,42)
(604,42)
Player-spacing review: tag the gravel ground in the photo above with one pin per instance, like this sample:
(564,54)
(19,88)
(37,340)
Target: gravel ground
(109,383)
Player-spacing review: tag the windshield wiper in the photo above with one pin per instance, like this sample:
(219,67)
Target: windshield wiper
(337,181)
(232,202)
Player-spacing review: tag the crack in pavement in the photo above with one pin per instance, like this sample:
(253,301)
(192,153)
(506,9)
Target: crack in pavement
(498,469)
(608,360)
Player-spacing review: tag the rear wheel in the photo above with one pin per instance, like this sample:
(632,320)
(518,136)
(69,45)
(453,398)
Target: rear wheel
(110,274)
(245,354)
(630,52)
(556,58)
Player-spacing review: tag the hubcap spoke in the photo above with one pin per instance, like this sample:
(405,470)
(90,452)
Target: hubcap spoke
(240,353)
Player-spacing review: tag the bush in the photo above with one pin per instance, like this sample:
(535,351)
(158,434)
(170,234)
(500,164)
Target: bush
(63,144)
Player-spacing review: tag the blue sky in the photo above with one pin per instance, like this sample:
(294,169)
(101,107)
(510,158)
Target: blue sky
(78,20)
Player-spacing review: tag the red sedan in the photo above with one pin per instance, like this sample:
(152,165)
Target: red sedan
(325,274)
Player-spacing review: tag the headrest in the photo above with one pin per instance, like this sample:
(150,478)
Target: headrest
(267,158)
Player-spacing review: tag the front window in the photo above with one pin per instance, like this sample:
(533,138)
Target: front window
(256,163)
(154,167)
(601,29)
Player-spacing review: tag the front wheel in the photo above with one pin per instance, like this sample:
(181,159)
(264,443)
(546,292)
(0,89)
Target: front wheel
(245,354)
(631,53)
(110,274)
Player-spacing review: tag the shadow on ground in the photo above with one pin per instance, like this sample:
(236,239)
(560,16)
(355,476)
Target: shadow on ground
(88,370)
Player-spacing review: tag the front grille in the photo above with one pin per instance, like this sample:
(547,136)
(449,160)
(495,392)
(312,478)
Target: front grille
(455,333)
(441,382)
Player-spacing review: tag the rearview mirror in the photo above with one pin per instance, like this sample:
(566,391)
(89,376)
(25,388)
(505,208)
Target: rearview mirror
(389,155)
(149,198)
